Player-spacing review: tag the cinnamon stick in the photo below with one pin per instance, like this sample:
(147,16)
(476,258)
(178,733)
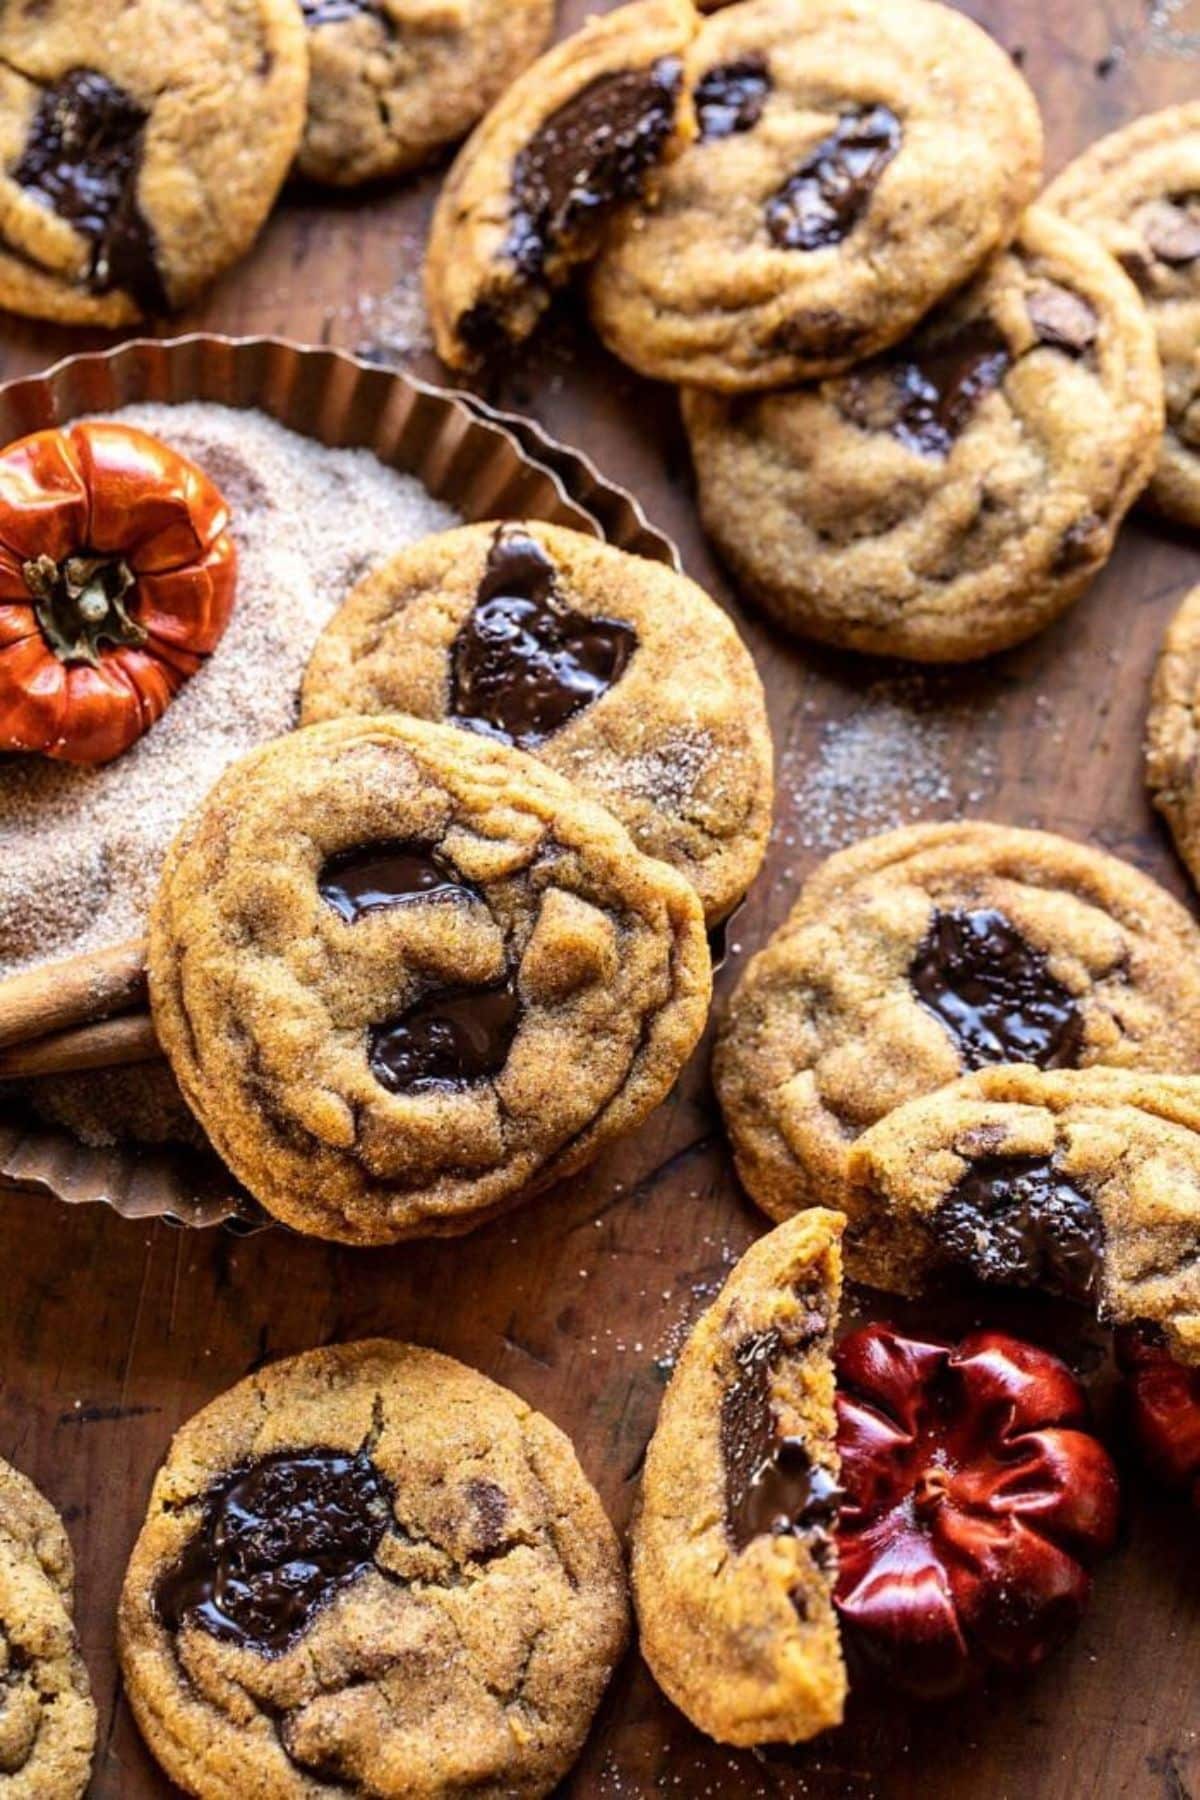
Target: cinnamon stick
(79,991)
(114,1043)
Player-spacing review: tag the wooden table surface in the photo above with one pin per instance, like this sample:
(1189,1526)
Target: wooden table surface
(112,1334)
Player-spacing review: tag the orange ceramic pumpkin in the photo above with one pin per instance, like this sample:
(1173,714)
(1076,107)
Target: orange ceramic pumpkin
(117,578)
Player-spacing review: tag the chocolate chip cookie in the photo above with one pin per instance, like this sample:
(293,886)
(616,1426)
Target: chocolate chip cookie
(142,144)
(1138,192)
(952,496)
(926,953)
(47,1718)
(580,131)
(733,1553)
(406,976)
(370,1570)
(1173,732)
(394,80)
(619,673)
(853,161)
(1082,1182)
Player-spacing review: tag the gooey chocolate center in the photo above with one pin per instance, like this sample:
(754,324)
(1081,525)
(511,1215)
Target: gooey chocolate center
(370,879)
(771,1482)
(448,1040)
(925,398)
(590,153)
(821,202)
(278,1540)
(523,662)
(83,157)
(994,992)
(1016,1221)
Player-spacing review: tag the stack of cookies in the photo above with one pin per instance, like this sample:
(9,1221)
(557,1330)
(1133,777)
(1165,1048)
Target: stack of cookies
(920,399)
(532,772)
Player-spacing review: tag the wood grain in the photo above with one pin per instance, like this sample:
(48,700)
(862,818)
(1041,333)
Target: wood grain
(113,1334)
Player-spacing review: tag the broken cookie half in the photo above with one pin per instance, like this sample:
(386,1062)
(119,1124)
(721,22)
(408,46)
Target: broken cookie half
(734,1558)
(1084,1183)
(581,131)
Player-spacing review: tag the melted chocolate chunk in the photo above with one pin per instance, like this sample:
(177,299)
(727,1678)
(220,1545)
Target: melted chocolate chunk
(771,1482)
(731,97)
(788,1496)
(83,158)
(925,399)
(279,1539)
(593,151)
(523,664)
(1062,318)
(1173,230)
(994,993)
(1015,1220)
(822,201)
(449,1040)
(380,875)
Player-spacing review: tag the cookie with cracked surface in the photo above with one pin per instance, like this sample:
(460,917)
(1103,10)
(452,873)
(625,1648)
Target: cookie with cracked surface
(1081,1182)
(927,953)
(393,81)
(370,1570)
(142,143)
(582,130)
(373,953)
(47,1717)
(1173,732)
(954,495)
(733,1554)
(1138,192)
(618,672)
(854,161)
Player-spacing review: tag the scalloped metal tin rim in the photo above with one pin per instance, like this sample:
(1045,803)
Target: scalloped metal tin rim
(484,463)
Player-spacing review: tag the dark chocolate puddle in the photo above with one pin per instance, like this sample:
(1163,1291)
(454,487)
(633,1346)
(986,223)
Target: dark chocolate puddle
(447,1040)
(280,1537)
(925,397)
(373,877)
(771,1482)
(994,993)
(1017,1222)
(822,201)
(83,157)
(524,663)
(594,151)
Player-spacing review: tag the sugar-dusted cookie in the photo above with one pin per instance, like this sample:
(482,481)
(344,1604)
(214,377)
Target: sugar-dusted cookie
(47,1717)
(733,1548)
(953,496)
(580,131)
(405,976)
(1083,1182)
(621,674)
(142,144)
(853,161)
(929,952)
(395,80)
(1138,192)
(370,1570)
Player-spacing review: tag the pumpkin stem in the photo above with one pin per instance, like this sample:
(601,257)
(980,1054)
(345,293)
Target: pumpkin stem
(80,604)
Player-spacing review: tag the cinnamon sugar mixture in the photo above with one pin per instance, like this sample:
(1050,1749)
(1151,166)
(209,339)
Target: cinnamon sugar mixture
(80,849)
